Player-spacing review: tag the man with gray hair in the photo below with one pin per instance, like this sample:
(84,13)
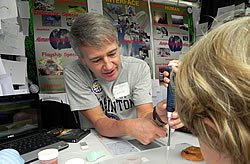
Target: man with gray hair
(112,91)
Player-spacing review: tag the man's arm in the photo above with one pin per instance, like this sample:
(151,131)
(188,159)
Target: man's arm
(144,111)
(143,129)
(104,125)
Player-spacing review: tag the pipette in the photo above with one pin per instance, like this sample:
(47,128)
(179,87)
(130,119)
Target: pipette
(170,101)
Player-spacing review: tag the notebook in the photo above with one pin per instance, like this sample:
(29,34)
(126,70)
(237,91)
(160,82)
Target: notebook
(20,117)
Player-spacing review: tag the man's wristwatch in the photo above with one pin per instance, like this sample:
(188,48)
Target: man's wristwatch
(157,118)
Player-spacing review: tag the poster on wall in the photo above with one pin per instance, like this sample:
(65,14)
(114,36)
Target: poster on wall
(133,26)
(52,20)
(172,26)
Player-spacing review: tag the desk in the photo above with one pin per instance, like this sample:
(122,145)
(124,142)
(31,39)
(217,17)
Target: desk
(154,156)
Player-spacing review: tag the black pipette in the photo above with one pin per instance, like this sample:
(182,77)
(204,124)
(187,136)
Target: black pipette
(170,101)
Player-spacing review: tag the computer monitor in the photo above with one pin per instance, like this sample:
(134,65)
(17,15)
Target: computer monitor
(19,114)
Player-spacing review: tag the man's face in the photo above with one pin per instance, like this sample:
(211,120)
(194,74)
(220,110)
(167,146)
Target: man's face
(104,62)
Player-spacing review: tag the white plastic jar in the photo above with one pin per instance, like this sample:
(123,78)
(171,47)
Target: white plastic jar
(48,156)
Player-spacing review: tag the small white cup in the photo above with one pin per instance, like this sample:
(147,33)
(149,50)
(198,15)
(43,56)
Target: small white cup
(48,156)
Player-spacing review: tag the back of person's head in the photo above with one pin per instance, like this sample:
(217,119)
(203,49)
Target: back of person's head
(10,156)
(213,85)
(92,30)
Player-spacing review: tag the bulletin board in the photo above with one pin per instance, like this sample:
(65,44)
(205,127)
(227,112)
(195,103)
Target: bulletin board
(173,33)
(52,21)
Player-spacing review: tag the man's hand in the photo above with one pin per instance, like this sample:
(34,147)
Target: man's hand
(161,110)
(145,130)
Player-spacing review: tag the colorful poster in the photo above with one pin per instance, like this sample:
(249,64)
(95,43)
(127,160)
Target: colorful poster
(133,26)
(172,31)
(52,20)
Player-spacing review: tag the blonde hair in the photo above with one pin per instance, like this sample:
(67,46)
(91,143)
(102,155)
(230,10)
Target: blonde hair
(213,83)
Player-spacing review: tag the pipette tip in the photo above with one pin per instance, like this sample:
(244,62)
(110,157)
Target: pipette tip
(168,147)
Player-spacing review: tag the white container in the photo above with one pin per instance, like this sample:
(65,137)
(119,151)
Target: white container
(48,156)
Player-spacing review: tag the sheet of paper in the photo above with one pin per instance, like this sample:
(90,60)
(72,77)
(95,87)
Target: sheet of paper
(25,26)
(12,20)
(12,48)
(201,29)
(11,41)
(196,14)
(224,14)
(2,69)
(8,9)
(95,6)
(248,11)
(23,9)
(117,146)
(240,9)
(16,69)
(10,27)
(6,85)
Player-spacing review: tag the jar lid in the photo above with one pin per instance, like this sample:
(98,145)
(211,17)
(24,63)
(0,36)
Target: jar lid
(48,154)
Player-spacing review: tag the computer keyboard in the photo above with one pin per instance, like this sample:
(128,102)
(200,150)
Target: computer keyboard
(30,143)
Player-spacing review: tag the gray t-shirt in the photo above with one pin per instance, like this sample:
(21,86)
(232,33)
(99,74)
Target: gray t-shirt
(117,98)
